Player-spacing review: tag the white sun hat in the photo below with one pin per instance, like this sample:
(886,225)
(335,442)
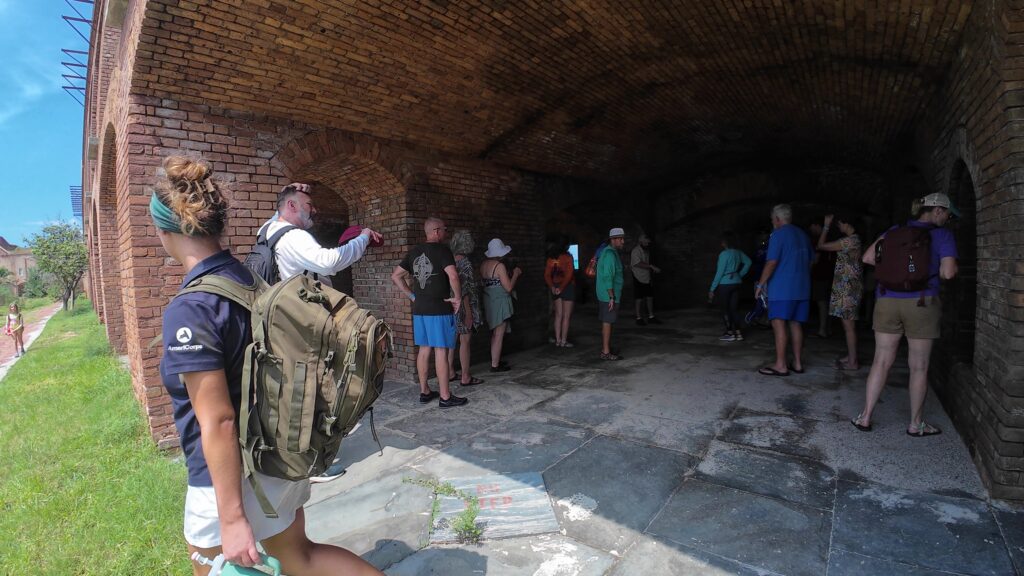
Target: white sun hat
(496,248)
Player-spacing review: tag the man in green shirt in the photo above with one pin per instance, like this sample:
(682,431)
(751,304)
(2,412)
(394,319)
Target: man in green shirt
(609,289)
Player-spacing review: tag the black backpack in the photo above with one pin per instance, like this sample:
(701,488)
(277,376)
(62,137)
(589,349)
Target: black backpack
(262,260)
(903,258)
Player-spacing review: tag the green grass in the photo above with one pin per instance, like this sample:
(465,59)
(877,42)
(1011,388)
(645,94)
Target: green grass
(83,489)
(29,304)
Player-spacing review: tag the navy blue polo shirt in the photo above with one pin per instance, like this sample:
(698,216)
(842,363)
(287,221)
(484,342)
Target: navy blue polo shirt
(203,332)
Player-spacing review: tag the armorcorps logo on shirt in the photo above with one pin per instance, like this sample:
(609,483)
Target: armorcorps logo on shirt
(184,335)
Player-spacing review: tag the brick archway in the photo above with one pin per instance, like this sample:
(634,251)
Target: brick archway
(109,281)
(362,182)
(95,281)
(960,296)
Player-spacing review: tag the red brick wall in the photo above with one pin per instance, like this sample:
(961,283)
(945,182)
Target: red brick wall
(975,119)
(388,188)
(108,271)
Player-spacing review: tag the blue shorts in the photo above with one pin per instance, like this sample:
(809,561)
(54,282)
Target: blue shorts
(434,331)
(796,310)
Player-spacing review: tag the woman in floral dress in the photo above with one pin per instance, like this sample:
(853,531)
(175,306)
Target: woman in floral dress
(847,283)
(469,317)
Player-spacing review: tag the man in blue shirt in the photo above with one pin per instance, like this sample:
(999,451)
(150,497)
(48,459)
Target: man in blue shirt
(786,279)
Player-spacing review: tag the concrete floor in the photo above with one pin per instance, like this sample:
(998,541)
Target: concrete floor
(678,460)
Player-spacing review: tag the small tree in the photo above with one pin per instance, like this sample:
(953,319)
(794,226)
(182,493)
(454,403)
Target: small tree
(60,250)
(6,277)
(39,284)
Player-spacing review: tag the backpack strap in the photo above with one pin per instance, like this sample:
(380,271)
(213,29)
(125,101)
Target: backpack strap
(221,286)
(244,295)
(276,237)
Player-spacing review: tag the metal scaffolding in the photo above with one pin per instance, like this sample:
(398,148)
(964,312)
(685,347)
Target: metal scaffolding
(77,64)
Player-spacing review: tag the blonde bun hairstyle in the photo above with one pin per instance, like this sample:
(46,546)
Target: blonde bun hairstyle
(190,192)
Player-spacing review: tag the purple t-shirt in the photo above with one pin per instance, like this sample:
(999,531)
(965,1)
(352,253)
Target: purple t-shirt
(943,246)
(203,332)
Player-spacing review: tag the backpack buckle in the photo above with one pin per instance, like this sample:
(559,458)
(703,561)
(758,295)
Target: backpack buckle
(327,424)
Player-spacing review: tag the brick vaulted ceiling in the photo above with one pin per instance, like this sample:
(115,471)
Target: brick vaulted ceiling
(615,90)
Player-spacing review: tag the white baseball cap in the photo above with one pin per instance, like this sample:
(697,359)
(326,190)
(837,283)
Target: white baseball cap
(616,233)
(940,200)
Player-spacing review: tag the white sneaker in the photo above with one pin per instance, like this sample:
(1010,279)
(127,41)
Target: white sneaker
(727,337)
(333,471)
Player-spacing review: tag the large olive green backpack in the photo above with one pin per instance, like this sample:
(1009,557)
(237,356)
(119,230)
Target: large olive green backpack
(314,368)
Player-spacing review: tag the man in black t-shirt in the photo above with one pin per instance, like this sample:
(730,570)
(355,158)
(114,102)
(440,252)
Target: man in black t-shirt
(436,294)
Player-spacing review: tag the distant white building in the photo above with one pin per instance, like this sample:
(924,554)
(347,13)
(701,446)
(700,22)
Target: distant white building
(17,260)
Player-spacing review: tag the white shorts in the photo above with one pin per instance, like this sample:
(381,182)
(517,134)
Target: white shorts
(202,525)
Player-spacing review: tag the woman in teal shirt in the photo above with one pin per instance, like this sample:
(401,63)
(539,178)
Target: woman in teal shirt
(733,265)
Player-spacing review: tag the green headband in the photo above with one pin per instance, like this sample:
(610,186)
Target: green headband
(164,218)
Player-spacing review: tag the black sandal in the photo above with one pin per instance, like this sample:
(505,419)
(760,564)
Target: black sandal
(856,423)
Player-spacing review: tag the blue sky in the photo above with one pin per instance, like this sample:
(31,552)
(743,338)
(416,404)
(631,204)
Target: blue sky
(40,124)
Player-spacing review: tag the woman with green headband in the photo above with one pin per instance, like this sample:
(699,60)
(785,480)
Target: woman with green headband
(205,337)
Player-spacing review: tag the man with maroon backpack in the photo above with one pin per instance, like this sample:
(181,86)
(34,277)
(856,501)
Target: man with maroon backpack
(909,262)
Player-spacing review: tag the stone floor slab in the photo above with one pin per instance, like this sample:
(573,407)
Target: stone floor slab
(842,563)
(439,427)
(504,400)
(545,555)
(755,530)
(383,521)
(938,532)
(606,492)
(654,558)
(560,376)
(586,406)
(1011,520)
(680,435)
(509,505)
(772,474)
(363,462)
(677,387)
(522,444)
(777,432)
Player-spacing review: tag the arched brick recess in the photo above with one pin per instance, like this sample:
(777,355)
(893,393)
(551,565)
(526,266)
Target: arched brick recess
(357,178)
(109,248)
(95,280)
(959,296)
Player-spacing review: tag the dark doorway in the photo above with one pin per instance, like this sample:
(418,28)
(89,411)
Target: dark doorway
(959,296)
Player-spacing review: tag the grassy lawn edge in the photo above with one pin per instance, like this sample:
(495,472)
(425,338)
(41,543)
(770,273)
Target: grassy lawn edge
(83,489)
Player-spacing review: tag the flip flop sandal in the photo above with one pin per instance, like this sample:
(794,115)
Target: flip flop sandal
(856,423)
(473,381)
(769,371)
(610,357)
(923,430)
(845,367)
(795,371)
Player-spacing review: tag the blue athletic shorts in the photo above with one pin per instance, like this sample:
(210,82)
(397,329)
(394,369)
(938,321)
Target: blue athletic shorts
(434,331)
(796,310)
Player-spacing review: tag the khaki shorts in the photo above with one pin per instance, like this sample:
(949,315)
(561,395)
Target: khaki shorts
(904,316)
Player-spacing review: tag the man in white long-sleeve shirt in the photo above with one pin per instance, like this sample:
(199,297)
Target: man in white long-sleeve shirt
(297,250)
